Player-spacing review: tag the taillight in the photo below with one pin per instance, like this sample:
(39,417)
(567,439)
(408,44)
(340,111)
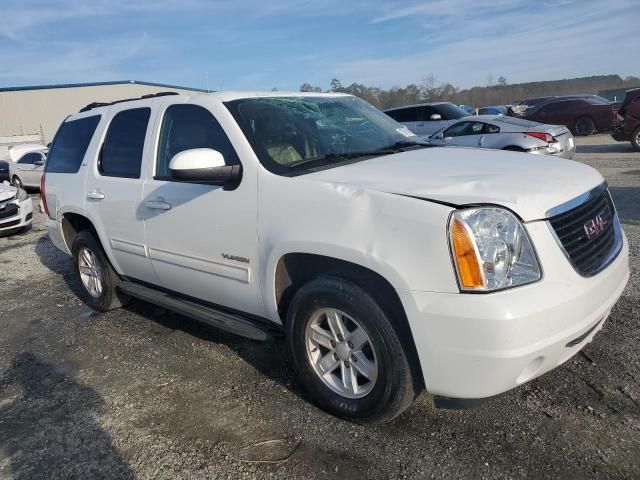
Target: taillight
(545,137)
(43,194)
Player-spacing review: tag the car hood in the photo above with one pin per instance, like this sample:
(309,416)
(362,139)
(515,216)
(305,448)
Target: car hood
(530,185)
(7,192)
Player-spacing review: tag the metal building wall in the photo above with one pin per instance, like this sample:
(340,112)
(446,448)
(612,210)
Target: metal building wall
(40,111)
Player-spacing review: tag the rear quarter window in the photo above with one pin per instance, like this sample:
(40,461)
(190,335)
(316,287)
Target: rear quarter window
(70,145)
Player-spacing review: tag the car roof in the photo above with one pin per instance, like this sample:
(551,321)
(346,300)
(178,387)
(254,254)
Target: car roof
(97,107)
(428,104)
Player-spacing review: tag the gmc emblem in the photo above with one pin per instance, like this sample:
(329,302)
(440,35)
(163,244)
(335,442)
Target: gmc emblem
(594,227)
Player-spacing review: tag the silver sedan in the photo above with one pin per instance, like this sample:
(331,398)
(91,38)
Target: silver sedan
(507,133)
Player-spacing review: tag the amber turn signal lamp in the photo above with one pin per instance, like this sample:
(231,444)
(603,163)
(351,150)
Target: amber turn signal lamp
(465,256)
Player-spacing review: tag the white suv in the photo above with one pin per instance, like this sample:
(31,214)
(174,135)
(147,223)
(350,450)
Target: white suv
(391,266)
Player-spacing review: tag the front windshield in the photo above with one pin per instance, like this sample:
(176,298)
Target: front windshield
(296,134)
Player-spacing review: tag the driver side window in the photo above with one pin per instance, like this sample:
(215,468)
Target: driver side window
(29,159)
(185,127)
(464,128)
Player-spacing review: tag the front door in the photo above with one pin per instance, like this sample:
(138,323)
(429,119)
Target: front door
(29,169)
(202,238)
(114,189)
(465,134)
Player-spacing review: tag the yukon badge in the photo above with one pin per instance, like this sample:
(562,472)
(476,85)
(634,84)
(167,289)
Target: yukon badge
(595,226)
(226,256)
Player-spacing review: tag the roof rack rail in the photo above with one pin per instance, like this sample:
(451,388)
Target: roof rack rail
(93,105)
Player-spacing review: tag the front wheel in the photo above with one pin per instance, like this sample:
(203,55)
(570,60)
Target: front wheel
(97,277)
(347,353)
(635,139)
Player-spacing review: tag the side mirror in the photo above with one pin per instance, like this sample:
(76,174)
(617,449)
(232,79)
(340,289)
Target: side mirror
(438,135)
(39,163)
(435,116)
(204,165)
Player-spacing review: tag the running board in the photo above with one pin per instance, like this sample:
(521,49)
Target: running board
(229,322)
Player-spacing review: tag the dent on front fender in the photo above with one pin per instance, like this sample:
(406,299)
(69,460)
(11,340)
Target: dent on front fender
(402,239)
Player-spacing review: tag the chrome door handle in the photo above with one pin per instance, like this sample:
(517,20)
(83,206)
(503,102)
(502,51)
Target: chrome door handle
(157,205)
(95,195)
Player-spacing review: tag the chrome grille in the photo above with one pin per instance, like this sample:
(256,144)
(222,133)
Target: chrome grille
(588,231)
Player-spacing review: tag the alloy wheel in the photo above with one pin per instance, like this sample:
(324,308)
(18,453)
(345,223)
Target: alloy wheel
(341,353)
(90,272)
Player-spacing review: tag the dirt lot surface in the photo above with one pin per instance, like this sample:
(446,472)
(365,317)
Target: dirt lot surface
(141,392)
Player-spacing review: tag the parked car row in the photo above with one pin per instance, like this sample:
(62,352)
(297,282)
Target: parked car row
(583,115)
(445,124)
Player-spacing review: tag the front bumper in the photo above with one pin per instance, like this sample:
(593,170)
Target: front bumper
(620,134)
(21,215)
(474,346)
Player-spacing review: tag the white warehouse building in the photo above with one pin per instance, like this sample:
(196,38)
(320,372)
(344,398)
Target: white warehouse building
(31,115)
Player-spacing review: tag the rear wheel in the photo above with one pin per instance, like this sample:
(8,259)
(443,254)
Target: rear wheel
(635,139)
(584,126)
(16,182)
(97,277)
(347,353)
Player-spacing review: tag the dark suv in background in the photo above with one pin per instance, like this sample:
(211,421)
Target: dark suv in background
(628,127)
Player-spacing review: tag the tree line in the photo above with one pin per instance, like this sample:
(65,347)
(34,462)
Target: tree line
(495,92)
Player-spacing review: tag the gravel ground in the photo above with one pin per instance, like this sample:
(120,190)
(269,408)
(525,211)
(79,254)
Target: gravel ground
(141,392)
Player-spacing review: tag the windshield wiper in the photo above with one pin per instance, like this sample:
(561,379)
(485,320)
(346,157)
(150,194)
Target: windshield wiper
(333,157)
(396,147)
(407,143)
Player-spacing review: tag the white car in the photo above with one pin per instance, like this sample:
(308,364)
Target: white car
(16,209)
(391,266)
(27,170)
(508,133)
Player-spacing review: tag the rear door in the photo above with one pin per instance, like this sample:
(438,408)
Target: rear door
(114,187)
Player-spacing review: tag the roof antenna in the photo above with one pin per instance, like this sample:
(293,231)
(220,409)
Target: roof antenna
(207,75)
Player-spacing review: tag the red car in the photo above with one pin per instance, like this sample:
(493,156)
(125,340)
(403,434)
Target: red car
(629,115)
(583,116)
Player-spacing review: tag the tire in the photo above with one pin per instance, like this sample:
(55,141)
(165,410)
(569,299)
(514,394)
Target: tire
(584,126)
(635,139)
(106,297)
(16,182)
(372,402)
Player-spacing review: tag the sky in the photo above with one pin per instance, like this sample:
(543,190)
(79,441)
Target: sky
(262,44)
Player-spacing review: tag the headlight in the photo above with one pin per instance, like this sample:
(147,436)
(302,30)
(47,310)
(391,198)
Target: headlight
(22,195)
(491,250)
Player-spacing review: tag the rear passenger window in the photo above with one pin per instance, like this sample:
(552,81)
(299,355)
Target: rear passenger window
(121,154)
(404,115)
(185,127)
(70,145)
